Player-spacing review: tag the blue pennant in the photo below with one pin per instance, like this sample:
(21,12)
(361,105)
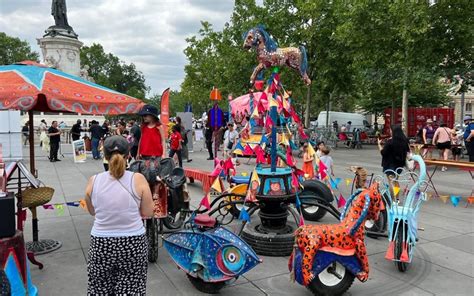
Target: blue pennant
(335,182)
(244,215)
(239,146)
(455,200)
(264,140)
(297,202)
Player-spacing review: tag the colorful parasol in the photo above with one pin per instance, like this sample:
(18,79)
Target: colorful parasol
(31,86)
(215,94)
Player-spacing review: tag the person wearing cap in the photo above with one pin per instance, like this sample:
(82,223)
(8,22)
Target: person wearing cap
(152,138)
(469,137)
(118,252)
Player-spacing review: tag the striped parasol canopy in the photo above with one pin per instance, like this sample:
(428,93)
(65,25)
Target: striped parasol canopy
(31,86)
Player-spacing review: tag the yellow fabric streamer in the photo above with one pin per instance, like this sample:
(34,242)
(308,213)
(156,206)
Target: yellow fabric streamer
(216,185)
(444,198)
(348,181)
(396,190)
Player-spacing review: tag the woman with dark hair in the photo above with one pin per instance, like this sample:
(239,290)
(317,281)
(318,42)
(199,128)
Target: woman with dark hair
(394,151)
(184,143)
(118,252)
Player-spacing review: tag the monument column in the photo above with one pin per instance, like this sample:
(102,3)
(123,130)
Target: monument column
(60,46)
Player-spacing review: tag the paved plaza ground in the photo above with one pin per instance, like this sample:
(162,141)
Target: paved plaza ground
(443,263)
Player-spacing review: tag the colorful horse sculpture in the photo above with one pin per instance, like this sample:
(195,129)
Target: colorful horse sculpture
(269,55)
(323,248)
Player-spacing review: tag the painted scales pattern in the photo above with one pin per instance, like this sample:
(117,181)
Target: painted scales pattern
(215,255)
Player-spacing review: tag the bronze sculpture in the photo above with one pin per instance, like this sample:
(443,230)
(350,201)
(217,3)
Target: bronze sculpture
(61,26)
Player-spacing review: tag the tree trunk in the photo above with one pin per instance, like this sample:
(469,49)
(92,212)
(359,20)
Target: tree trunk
(392,121)
(308,105)
(461,121)
(405,110)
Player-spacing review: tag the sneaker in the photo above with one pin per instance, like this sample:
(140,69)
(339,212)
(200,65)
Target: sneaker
(57,159)
(444,169)
(189,160)
(210,158)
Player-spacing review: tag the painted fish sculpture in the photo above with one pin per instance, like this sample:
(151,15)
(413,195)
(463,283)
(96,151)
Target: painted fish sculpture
(211,256)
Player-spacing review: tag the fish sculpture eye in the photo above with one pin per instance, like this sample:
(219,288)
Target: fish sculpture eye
(230,260)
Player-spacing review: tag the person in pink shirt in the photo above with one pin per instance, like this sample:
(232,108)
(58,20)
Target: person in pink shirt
(442,140)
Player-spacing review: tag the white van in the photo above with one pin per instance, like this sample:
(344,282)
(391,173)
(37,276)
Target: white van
(357,120)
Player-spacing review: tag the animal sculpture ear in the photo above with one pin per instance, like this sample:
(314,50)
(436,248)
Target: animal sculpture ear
(362,216)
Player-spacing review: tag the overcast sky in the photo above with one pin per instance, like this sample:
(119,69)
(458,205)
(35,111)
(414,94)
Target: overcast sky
(149,33)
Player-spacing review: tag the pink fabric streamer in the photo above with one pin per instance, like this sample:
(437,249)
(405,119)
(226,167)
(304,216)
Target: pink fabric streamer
(341,202)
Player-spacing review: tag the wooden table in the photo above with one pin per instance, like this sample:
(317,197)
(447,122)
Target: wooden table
(460,165)
(200,175)
(416,148)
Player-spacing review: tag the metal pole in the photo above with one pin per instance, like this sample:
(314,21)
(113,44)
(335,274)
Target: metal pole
(31,136)
(462,110)
(273,115)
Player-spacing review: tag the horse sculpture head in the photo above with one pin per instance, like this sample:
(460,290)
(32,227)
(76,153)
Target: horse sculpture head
(257,36)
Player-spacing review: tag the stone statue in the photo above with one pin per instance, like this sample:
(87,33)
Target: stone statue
(61,26)
(59,12)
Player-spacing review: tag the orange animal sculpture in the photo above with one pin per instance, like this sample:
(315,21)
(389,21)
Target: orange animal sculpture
(344,240)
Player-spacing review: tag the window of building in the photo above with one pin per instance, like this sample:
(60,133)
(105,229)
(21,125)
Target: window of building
(469,107)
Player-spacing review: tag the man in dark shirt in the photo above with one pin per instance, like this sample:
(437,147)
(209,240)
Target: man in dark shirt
(96,134)
(136,134)
(54,138)
(76,130)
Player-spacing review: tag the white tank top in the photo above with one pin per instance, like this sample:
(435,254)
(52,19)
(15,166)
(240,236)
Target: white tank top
(116,205)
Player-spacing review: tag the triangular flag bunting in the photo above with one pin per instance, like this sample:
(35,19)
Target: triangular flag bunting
(216,185)
(248,150)
(348,181)
(396,190)
(311,151)
(293,145)
(48,207)
(322,170)
(239,146)
(301,223)
(73,204)
(206,201)
(60,209)
(297,202)
(341,202)
(255,177)
(444,198)
(83,204)
(244,215)
(455,200)
(294,181)
(289,157)
(255,113)
(335,182)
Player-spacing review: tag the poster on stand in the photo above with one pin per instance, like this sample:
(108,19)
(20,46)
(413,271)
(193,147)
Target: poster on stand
(79,149)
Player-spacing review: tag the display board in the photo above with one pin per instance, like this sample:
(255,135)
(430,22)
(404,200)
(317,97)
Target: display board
(10,135)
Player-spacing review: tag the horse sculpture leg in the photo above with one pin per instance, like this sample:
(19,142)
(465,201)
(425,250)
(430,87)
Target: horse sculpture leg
(257,70)
(361,253)
(308,247)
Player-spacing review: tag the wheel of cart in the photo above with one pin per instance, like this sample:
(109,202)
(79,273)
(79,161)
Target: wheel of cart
(405,190)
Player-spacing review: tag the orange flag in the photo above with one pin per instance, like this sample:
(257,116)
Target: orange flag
(165,109)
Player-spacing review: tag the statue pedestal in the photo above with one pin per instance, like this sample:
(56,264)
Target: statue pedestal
(62,53)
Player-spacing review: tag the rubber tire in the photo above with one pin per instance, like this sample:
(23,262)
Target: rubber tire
(318,189)
(206,287)
(152,237)
(379,226)
(402,266)
(174,224)
(318,288)
(268,244)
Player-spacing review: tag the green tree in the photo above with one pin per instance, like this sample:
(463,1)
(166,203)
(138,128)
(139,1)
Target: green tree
(108,70)
(14,50)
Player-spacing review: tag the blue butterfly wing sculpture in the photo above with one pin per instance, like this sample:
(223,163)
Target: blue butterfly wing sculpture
(214,256)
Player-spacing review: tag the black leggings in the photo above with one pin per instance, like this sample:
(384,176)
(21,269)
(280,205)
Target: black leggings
(180,158)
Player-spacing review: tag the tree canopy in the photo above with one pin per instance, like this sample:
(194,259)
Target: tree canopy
(108,70)
(360,54)
(14,50)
